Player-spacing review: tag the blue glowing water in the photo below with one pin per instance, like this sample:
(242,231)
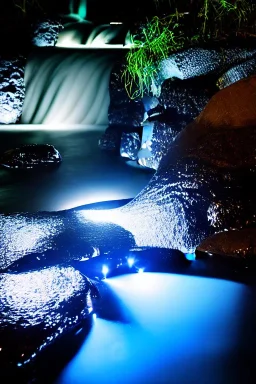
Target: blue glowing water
(178,329)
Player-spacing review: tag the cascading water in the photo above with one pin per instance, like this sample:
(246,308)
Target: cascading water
(68,86)
(79,31)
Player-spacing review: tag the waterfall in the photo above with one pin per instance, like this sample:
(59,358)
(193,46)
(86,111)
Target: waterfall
(68,86)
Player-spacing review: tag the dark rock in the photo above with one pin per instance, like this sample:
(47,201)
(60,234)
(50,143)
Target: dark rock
(31,156)
(45,32)
(35,241)
(125,112)
(237,72)
(186,97)
(130,145)
(129,114)
(190,63)
(149,102)
(110,140)
(155,145)
(122,110)
(12,89)
(236,243)
(181,101)
(38,308)
(199,61)
(204,183)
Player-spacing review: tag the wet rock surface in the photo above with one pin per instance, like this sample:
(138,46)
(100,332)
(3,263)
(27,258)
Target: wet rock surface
(122,110)
(184,83)
(182,102)
(12,88)
(31,156)
(198,61)
(203,184)
(237,72)
(45,32)
(34,241)
(37,308)
(130,145)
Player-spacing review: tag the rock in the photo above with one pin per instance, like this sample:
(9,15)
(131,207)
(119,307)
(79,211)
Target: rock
(130,145)
(149,102)
(129,114)
(233,107)
(124,115)
(122,110)
(155,144)
(186,97)
(12,89)
(110,140)
(45,32)
(190,63)
(203,184)
(201,61)
(38,308)
(31,156)
(181,101)
(236,244)
(34,241)
(236,73)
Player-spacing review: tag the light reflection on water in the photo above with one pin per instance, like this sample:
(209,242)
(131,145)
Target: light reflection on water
(87,174)
(182,330)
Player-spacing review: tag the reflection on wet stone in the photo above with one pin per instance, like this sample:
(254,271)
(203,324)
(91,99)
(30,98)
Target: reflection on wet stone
(31,156)
(36,308)
(130,145)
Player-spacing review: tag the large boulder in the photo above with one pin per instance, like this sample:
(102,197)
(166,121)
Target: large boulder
(37,309)
(237,72)
(201,61)
(183,84)
(204,183)
(181,102)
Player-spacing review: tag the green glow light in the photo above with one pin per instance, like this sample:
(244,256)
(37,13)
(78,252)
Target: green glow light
(82,10)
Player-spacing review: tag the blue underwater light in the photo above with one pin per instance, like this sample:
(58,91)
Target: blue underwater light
(130,261)
(105,271)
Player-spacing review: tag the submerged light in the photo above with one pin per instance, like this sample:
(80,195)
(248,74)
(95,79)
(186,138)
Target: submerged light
(105,271)
(130,261)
